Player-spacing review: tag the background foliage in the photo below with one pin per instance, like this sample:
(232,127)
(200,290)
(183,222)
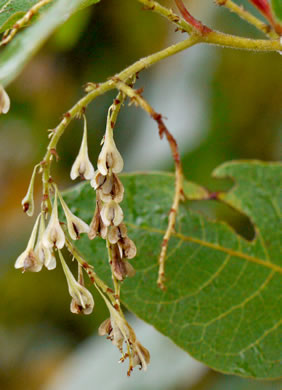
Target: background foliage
(242,120)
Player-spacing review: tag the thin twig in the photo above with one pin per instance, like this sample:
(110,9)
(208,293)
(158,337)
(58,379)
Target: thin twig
(90,272)
(115,281)
(198,27)
(265,9)
(154,6)
(215,37)
(248,17)
(137,98)
(9,35)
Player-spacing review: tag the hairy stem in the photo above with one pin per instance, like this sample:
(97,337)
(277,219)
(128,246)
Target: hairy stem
(90,272)
(248,17)
(167,13)
(9,35)
(198,27)
(116,282)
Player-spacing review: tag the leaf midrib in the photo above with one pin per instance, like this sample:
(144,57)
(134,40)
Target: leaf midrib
(217,247)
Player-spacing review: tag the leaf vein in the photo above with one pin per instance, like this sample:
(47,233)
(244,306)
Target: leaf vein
(217,247)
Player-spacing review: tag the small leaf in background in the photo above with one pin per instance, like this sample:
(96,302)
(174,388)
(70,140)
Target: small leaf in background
(13,57)
(277,8)
(222,303)
(12,10)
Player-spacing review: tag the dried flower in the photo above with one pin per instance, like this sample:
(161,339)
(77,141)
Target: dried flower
(45,255)
(127,248)
(82,165)
(54,235)
(28,200)
(109,159)
(117,329)
(110,187)
(97,226)
(28,260)
(120,268)
(116,233)
(75,225)
(141,356)
(111,213)
(4,101)
(110,328)
(82,299)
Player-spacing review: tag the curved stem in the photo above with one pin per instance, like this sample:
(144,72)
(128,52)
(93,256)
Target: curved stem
(116,283)
(95,90)
(9,35)
(248,17)
(234,42)
(178,193)
(198,27)
(90,272)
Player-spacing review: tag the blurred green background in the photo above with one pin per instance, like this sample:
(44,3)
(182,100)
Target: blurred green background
(238,98)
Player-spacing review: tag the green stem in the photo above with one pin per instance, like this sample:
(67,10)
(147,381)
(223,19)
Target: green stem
(234,42)
(115,281)
(168,14)
(248,17)
(92,275)
(214,37)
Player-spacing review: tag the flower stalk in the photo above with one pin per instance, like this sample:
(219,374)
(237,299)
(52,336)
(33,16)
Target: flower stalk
(137,98)
(248,17)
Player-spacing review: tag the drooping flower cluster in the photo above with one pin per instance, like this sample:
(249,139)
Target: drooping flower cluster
(46,241)
(107,220)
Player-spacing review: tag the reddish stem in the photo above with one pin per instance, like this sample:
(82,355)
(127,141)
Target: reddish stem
(199,26)
(264,7)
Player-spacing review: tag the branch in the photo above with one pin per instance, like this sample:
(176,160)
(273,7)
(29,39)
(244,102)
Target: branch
(95,90)
(197,26)
(265,9)
(137,98)
(90,271)
(231,41)
(9,34)
(154,6)
(248,17)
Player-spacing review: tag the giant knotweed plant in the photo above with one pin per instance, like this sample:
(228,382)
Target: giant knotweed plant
(176,298)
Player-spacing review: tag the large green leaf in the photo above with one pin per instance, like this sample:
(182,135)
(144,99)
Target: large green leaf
(17,53)
(222,303)
(277,8)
